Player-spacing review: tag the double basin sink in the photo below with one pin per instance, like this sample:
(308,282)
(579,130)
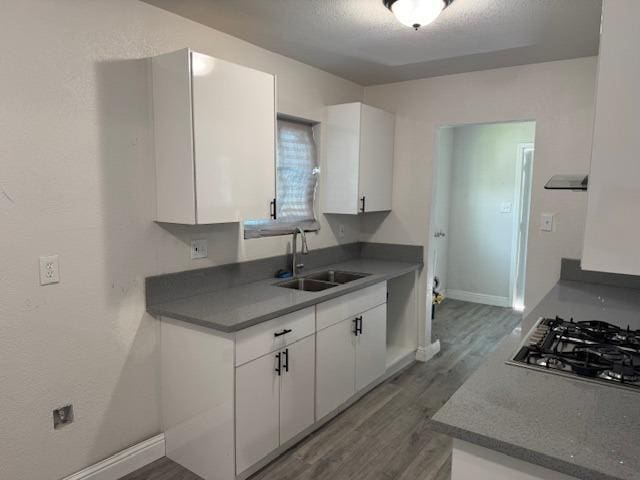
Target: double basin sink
(316,282)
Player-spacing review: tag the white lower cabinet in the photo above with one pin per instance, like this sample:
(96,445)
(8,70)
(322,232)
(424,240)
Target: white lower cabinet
(297,389)
(257,410)
(351,355)
(473,462)
(249,394)
(371,346)
(274,400)
(335,366)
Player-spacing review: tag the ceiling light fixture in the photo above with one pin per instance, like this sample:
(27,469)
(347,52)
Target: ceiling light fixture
(416,13)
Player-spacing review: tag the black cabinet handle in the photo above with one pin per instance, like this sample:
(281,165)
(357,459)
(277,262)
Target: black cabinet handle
(279,367)
(363,200)
(359,324)
(272,209)
(283,332)
(355,322)
(285,365)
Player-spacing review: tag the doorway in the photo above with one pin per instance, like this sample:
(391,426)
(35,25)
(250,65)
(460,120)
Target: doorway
(480,212)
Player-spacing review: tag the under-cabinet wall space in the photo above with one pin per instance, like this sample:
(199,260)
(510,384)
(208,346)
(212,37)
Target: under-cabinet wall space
(402,323)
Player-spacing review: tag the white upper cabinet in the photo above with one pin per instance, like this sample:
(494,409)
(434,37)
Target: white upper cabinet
(612,229)
(214,139)
(358,175)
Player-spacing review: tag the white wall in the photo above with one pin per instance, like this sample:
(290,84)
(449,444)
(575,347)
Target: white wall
(76,179)
(480,237)
(559,96)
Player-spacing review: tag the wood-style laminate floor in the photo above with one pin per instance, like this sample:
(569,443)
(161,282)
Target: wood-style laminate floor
(384,436)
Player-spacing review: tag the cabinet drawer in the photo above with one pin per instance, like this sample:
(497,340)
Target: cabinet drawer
(331,312)
(261,339)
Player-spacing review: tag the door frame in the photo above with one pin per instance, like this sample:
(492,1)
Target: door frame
(431,246)
(519,243)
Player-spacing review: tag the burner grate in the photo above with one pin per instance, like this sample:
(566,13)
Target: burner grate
(591,349)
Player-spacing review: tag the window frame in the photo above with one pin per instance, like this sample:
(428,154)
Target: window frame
(261,228)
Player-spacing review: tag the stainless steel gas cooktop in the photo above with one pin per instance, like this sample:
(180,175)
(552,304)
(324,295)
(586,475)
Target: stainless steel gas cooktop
(590,350)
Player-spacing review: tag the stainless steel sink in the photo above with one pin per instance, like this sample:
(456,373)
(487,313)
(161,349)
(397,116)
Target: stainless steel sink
(337,276)
(307,284)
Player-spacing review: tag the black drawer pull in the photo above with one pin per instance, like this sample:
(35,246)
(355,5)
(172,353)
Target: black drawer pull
(283,332)
(279,367)
(285,365)
(357,329)
(359,325)
(363,200)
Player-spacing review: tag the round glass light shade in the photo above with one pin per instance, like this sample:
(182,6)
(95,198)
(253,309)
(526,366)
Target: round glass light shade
(417,13)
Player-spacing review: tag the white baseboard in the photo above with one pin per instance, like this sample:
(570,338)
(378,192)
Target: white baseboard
(479,298)
(124,462)
(424,354)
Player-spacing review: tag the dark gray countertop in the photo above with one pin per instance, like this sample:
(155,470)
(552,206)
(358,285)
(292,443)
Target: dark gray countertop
(233,309)
(582,429)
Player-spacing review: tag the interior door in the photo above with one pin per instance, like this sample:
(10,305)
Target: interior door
(257,406)
(335,366)
(297,388)
(375,178)
(371,346)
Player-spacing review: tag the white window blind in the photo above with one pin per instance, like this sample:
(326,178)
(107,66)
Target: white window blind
(297,174)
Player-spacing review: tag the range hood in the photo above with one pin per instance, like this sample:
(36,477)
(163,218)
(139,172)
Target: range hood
(577,183)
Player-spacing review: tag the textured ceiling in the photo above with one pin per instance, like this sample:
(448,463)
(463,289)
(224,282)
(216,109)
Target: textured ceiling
(361,40)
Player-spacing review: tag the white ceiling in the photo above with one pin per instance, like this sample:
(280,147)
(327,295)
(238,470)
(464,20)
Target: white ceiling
(361,40)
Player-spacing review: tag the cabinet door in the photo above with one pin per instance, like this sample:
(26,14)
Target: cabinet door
(335,366)
(340,175)
(375,182)
(297,388)
(612,229)
(234,140)
(257,405)
(371,347)
(173,137)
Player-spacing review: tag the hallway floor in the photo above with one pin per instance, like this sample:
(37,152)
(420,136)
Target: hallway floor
(385,436)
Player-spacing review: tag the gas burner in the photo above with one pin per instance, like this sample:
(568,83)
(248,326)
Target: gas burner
(594,350)
(619,377)
(550,362)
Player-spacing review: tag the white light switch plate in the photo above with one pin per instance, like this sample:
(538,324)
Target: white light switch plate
(199,248)
(505,207)
(49,270)
(546,222)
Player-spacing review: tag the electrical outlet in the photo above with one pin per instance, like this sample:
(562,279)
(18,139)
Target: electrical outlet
(49,270)
(341,231)
(199,248)
(62,416)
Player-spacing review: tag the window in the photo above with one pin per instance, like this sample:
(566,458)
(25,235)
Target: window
(297,174)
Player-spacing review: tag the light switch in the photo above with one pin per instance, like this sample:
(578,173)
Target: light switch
(505,207)
(546,222)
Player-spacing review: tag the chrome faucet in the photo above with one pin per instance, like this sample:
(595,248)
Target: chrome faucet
(295,266)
